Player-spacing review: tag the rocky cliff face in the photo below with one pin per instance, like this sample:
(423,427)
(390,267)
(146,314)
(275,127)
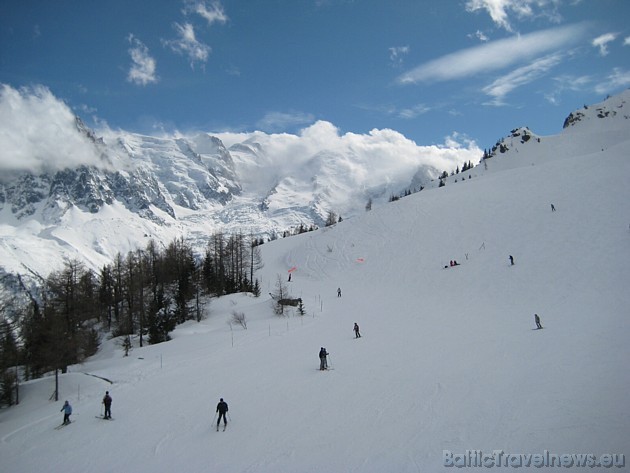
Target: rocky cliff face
(616,107)
(154,175)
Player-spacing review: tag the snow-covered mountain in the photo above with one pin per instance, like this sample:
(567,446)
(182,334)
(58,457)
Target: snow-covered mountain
(134,187)
(137,187)
(449,366)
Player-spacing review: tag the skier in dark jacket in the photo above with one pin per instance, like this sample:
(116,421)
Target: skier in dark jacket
(356,331)
(537,320)
(67,411)
(107,402)
(323,362)
(511,260)
(222,409)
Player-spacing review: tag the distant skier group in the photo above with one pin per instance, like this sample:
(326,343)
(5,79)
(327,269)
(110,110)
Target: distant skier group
(511,258)
(222,407)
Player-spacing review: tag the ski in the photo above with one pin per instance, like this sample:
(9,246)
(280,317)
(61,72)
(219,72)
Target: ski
(62,425)
(104,418)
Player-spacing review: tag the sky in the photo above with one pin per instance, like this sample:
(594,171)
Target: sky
(431,70)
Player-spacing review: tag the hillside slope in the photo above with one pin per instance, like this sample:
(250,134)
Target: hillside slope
(448,359)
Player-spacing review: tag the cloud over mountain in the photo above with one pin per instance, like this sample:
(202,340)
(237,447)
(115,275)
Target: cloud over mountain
(38,133)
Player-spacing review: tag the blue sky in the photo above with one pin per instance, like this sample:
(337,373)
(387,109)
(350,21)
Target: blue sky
(427,69)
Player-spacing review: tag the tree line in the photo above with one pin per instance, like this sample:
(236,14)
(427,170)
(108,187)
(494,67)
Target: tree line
(144,293)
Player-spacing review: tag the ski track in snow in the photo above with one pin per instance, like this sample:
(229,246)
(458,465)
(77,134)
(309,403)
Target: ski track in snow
(7,438)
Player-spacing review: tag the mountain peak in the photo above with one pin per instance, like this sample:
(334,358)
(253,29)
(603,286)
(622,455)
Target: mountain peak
(613,110)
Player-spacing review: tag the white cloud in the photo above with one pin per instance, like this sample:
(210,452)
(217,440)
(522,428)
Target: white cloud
(413,112)
(188,45)
(380,156)
(143,66)
(396,54)
(38,133)
(569,82)
(232,70)
(501,10)
(480,35)
(616,80)
(602,41)
(494,55)
(398,112)
(278,121)
(626,41)
(519,77)
(212,12)
(496,9)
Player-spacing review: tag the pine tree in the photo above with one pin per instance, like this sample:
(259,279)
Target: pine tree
(331,218)
(126,344)
(256,288)
(282,292)
(8,383)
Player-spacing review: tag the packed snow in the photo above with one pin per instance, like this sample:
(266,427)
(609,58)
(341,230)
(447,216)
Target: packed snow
(448,361)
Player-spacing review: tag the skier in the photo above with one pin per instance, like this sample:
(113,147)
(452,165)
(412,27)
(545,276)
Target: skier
(338,292)
(553,208)
(67,410)
(323,363)
(511,260)
(107,402)
(356,331)
(537,320)
(222,409)
(289,277)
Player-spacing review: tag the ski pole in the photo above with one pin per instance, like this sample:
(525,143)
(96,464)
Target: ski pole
(215,416)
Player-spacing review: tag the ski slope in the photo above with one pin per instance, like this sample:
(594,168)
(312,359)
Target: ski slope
(448,358)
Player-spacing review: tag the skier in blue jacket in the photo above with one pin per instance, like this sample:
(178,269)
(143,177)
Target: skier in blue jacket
(67,410)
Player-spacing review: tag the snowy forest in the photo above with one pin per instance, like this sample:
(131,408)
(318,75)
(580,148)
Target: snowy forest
(145,293)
